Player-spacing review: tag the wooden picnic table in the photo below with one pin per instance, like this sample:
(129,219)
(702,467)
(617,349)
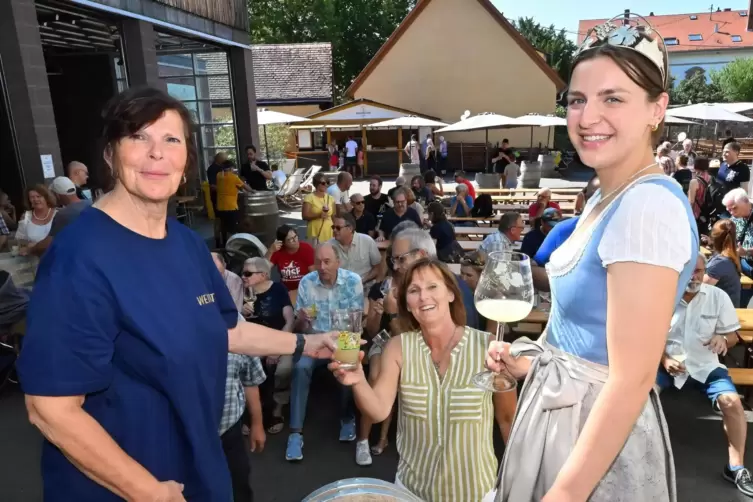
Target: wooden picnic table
(533,198)
(505,191)
(466,245)
(523,208)
(745,316)
(185,199)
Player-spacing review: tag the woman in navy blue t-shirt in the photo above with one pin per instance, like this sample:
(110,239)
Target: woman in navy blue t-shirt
(129,327)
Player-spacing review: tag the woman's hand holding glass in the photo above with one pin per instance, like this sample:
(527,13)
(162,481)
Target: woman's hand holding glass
(499,360)
(350,376)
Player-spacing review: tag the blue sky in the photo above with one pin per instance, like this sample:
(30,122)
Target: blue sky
(567,13)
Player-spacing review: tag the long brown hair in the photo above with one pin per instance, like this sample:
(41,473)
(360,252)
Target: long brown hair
(723,236)
(457,309)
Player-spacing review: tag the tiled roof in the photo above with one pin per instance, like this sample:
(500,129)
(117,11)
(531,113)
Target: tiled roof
(293,73)
(713,30)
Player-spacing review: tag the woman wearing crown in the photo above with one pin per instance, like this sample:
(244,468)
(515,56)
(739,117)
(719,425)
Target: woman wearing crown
(589,425)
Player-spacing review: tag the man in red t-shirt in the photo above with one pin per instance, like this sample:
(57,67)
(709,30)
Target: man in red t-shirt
(460,178)
(543,202)
(293,258)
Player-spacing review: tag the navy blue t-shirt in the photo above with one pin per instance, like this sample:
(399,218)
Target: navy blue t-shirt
(139,327)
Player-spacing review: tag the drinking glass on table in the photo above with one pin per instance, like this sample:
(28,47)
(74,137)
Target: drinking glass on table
(348,324)
(504,294)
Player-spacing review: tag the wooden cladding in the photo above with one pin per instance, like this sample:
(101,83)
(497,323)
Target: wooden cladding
(228,12)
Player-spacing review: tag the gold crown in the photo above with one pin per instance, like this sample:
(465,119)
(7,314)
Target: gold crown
(630,31)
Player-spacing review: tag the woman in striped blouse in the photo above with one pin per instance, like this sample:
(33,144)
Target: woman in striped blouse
(444,435)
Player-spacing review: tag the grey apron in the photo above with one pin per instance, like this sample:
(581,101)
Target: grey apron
(557,396)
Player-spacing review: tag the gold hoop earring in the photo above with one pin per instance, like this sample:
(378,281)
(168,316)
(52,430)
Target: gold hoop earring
(184,181)
(655,127)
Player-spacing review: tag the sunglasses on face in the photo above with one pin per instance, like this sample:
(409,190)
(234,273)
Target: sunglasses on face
(358,202)
(322,182)
(249,273)
(338,227)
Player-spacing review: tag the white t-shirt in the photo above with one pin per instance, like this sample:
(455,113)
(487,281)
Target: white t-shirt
(339,196)
(350,148)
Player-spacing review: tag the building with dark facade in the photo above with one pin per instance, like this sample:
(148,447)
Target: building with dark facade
(62,60)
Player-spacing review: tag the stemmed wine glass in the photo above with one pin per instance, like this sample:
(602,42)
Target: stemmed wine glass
(504,294)
(249,297)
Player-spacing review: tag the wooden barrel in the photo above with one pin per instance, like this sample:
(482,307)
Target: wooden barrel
(530,175)
(547,166)
(408,171)
(259,215)
(361,489)
(487,180)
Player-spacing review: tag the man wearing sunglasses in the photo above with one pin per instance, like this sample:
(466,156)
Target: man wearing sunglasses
(366,223)
(357,252)
(397,214)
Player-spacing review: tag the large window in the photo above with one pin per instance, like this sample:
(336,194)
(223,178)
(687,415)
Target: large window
(202,81)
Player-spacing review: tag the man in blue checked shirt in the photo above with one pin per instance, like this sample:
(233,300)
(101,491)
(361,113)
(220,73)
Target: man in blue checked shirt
(328,287)
(244,375)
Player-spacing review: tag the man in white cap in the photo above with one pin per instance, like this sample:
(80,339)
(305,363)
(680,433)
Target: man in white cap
(65,191)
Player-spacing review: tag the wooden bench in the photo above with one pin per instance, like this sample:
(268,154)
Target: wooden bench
(741,376)
(511,191)
(532,198)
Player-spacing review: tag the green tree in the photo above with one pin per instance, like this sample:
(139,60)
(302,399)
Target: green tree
(554,43)
(695,89)
(272,145)
(735,80)
(356,28)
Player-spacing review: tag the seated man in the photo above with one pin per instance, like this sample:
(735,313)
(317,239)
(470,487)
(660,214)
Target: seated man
(535,238)
(357,252)
(703,327)
(65,190)
(329,287)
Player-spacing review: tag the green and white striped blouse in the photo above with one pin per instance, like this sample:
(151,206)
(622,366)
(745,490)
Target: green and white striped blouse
(444,434)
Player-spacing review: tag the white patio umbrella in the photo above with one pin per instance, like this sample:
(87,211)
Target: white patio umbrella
(482,121)
(707,111)
(409,121)
(738,107)
(711,112)
(269,117)
(535,120)
(669,120)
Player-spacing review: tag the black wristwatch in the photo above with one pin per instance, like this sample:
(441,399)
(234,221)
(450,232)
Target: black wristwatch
(300,342)
(391,317)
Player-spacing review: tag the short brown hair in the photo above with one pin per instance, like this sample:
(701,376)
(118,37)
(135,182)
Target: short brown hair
(457,309)
(377,178)
(42,190)
(137,107)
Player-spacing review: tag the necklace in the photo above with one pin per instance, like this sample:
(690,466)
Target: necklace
(448,348)
(627,182)
(34,213)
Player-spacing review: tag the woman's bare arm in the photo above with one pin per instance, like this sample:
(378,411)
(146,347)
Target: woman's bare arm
(289,316)
(692,188)
(64,423)
(307,212)
(635,345)
(376,402)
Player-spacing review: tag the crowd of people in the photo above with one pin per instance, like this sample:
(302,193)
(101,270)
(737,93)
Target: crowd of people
(130,306)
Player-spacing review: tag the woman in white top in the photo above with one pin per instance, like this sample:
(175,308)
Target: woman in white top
(36,221)
(589,425)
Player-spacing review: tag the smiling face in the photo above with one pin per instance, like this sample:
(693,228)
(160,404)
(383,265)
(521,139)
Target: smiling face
(150,163)
(608,114)
(37,201)
(428,297)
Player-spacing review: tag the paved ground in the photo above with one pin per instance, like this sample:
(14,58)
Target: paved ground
(697,439)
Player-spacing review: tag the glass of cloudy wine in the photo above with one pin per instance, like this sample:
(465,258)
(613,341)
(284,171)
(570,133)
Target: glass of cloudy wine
(504,294)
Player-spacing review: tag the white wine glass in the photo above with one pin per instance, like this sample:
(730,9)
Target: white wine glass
(504,294)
